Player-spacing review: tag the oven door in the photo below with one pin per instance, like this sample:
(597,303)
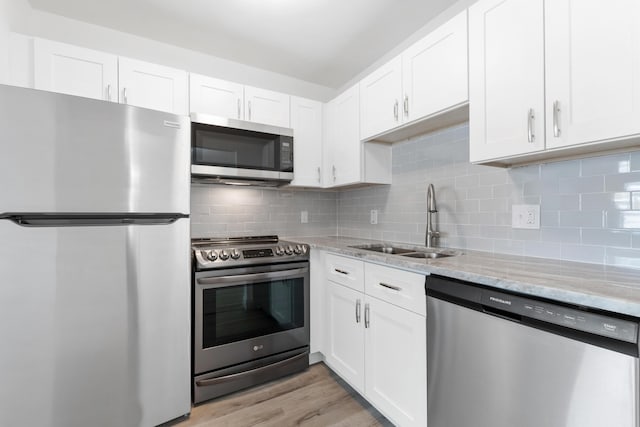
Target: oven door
(244,314)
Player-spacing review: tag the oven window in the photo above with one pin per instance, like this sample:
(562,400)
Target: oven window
(237,313)
(233,148)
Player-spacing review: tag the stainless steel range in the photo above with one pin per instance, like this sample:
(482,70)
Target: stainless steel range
(250,312)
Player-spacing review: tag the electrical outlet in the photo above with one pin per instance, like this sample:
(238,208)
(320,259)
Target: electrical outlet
(525,216)
(374,216)
(304,217)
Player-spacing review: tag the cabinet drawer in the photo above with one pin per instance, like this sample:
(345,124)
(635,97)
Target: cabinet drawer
(346,271)
(398,287)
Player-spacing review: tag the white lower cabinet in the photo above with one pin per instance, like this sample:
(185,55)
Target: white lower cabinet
(378,344)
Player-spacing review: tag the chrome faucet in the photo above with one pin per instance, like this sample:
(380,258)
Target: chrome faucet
(431,234)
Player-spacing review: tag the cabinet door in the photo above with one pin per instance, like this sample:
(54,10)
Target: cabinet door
(74,70)
(506,78)
(266,106)
(592,70)
(380,102)
(306,121)
(153,86)
(216,97)
(345,335)
(343,148)
(396,362)
(435,71)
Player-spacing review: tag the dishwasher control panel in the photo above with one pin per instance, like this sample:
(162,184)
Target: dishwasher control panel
(592,323)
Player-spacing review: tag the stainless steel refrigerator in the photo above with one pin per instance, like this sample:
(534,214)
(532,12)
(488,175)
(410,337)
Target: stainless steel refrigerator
(94,262)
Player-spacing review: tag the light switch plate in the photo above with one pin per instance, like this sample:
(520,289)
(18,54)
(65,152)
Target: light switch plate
(525,216)
(374,216)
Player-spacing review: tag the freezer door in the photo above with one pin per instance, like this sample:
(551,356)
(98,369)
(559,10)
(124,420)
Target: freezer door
(484,371)
(68,154)
(94,325)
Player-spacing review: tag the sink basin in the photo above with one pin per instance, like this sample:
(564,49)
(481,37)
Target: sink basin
(385,249)
(411,253)
(430,255)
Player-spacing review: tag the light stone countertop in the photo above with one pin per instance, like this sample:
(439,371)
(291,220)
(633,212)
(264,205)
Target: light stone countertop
(603,287)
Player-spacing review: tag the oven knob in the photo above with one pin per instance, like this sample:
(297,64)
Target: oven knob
(288,250)
(224,255)
(279,251)
(305,249)
(297,249)
(235,254)
(212,255)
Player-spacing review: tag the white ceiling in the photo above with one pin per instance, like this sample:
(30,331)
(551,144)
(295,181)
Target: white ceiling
(326,42)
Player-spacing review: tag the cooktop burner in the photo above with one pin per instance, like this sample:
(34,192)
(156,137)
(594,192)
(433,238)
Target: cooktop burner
(224,252)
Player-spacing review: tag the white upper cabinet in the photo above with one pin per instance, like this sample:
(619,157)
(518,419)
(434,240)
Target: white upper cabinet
(306,121)
(552,79)
(73,70)
(380,98)
(409,94)
(342,142)
(435,71)
(347,160)
(216,97)
(153,86)
(506,78)
(266,106)
(592,70)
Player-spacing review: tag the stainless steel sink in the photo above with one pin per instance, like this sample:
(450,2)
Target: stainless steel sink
(385,249)
(431,255)
(411,253)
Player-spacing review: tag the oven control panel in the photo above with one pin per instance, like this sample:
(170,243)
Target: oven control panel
(215,257)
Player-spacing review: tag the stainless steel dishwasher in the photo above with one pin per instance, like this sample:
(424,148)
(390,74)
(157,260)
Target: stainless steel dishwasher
(497,359)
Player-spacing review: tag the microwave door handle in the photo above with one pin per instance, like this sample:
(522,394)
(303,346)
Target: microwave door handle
(250,278)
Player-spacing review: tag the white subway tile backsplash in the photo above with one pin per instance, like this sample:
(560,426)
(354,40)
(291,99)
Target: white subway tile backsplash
(623,182)
(606,165)
(590,208)
(593,219)
(605,201)
(583,253)
(589,184)
(629,220)
(606,237)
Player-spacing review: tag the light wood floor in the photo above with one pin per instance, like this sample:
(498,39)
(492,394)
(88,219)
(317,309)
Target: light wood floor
(316,397)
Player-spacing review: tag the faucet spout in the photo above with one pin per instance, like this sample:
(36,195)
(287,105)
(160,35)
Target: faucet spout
(431,234)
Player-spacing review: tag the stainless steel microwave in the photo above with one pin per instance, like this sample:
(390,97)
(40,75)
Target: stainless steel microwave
(229,151)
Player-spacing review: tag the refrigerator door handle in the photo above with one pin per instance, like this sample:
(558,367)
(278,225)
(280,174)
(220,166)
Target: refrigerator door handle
(89,220)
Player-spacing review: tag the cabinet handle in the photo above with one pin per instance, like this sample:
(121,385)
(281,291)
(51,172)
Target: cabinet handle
(406,105)
(319,176)
(108,92)
(366,315)
(556,113)
(334,173)
(358,311)
(395,288)
(124,95)
(249,112)
(395,110)
(531,137)
(239,111)
(337,270)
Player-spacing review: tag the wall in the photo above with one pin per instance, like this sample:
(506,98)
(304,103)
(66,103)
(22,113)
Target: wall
(590,208)
(55,27)
(218,211)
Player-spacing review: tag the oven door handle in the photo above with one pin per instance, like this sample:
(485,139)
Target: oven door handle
(255,277)
(230,377)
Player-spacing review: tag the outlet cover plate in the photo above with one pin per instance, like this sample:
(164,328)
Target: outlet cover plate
(374,216)
(525,216)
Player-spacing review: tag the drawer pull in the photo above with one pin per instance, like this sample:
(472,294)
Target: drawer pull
(337,270)
(395,288)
